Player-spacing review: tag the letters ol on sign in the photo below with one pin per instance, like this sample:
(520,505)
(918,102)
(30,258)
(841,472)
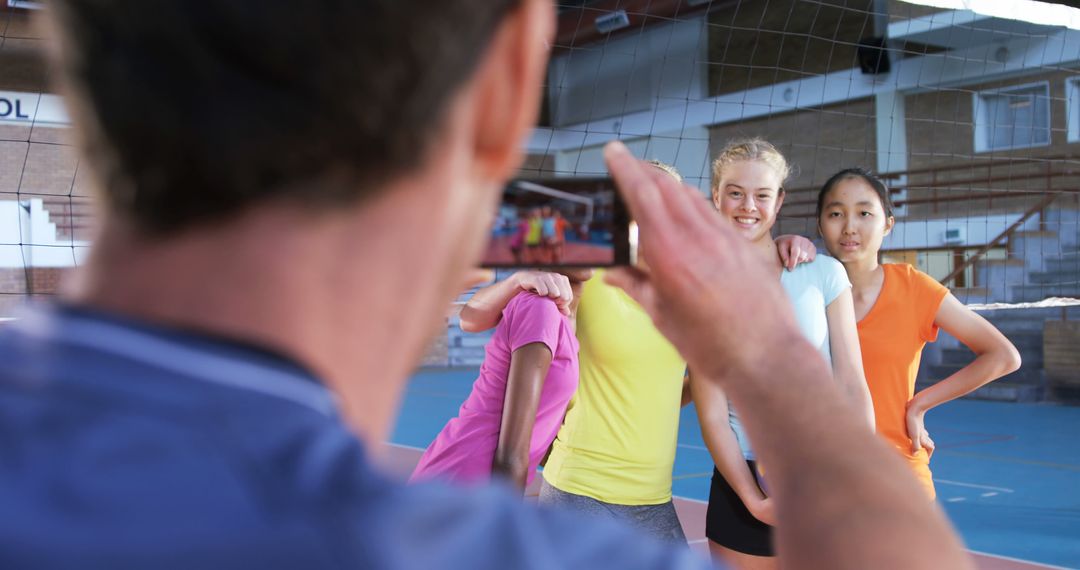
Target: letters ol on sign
(44,109)
(13,108)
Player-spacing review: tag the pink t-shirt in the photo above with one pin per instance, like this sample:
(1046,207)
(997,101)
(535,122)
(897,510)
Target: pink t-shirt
(519,234)
(465,448)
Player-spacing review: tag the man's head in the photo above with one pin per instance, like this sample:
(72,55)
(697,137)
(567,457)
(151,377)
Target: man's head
(191,112)
(300,174)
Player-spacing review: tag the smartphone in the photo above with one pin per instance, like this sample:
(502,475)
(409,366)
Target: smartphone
(560,222)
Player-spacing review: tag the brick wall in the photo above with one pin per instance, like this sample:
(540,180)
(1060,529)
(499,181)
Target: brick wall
(941,132)
(18,284)
(30,281)
(42,165)
(21,52)
(38,161)
(33,166)
(752,44)
(940,124)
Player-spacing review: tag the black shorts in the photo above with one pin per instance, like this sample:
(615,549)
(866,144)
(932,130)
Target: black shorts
(729,523)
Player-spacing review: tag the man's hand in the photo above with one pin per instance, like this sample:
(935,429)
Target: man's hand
(553,285)
(703,281)
(794,250)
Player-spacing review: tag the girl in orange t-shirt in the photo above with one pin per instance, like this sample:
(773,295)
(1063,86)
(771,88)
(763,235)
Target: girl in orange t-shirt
(899,309)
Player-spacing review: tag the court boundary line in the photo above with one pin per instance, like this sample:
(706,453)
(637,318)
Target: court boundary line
(1014,460)
(974,485)
(404,446)
(1019,560)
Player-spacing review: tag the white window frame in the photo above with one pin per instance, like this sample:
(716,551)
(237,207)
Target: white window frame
(982,126)
(1072,108)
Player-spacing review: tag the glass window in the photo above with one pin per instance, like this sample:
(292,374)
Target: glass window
(1015,117)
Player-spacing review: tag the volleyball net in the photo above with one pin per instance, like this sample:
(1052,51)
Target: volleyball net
(969,110)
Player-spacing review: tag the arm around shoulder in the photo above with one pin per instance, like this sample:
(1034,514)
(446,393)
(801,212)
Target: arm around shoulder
(484,310)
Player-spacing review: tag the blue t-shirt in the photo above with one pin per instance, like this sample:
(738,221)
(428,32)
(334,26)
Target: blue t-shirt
(124,445)
(548,227)
(811,288)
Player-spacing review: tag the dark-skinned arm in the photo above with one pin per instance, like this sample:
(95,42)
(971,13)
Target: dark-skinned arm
(528,370)
(687,393)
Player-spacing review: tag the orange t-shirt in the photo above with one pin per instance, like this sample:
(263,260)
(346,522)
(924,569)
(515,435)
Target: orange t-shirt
(892,336)
(560,229)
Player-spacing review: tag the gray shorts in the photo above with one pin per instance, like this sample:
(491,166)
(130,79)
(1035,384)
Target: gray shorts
(660,521)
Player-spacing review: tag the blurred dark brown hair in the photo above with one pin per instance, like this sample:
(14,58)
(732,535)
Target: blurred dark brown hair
(189,112)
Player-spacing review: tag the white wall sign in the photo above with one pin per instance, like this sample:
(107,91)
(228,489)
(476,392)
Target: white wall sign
(18,108)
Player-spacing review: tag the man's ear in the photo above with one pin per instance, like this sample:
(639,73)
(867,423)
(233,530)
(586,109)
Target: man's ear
(508,87)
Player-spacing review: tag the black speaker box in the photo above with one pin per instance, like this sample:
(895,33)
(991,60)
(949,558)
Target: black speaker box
(873,57)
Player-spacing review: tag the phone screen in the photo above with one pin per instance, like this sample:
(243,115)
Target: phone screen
(559,222)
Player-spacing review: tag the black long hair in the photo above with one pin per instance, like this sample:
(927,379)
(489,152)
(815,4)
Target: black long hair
(860,173)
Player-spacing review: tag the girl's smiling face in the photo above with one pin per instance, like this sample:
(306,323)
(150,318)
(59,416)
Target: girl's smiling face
(749,196)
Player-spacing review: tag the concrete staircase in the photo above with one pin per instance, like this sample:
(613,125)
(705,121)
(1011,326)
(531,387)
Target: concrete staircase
(467,349)
(1042,262)
(1024,327)
(74,217)
(1051,265)
(1060,278)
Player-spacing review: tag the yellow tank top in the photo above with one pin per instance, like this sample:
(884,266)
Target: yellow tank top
(535,226)
(617,443)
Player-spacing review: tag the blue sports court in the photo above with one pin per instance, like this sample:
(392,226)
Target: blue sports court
(1007,474)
